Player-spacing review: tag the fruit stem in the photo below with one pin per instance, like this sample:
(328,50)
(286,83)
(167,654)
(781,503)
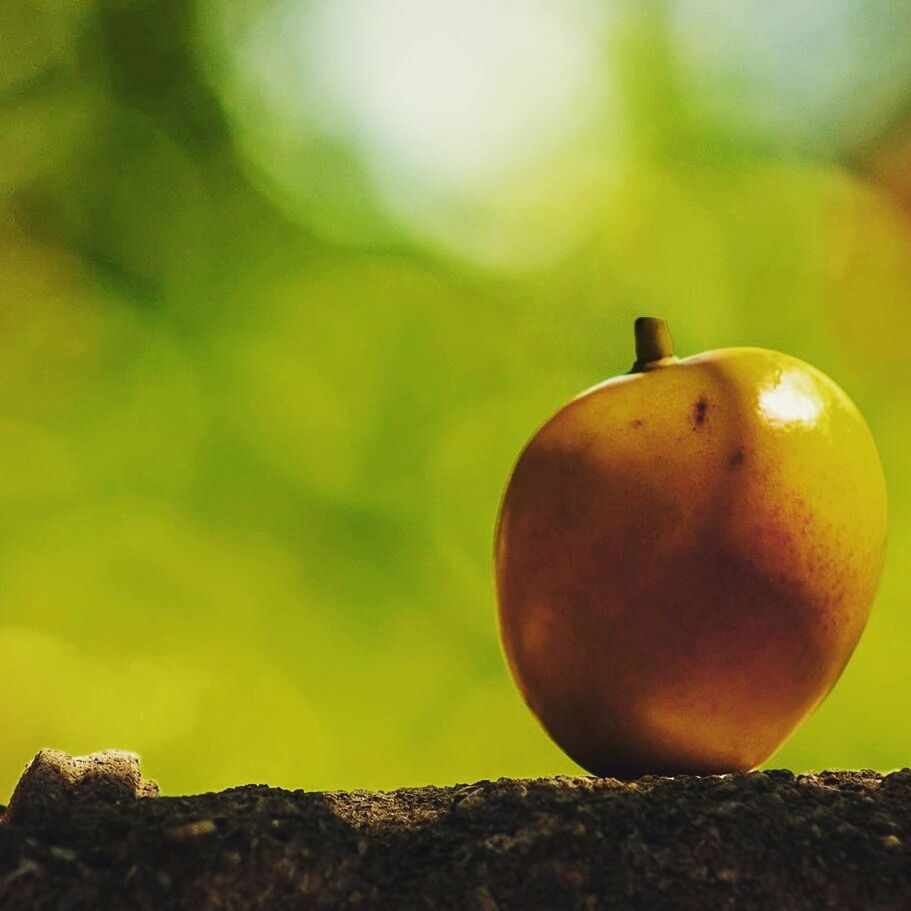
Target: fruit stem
(654,345)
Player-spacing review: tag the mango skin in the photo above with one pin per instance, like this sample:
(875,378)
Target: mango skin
(685,560)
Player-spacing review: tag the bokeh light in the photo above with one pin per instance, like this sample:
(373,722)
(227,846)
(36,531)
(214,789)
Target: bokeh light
(469,127)
(823,78)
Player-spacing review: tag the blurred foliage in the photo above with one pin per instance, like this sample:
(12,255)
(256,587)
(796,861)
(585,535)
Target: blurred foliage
(284,287)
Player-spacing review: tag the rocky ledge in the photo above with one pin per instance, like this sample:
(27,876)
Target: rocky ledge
(90,833)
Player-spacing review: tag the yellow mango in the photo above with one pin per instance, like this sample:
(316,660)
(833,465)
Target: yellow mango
(686,557)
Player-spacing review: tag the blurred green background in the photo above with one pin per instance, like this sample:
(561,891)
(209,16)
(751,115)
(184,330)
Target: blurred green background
(286,284)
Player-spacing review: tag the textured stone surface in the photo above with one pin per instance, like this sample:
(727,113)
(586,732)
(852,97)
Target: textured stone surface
(765,840)
(54,779)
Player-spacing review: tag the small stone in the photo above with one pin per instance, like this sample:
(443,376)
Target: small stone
(64,854)
(54,779)
(892,842)
(468,798)
(780,775)
(191,830)
(758,781)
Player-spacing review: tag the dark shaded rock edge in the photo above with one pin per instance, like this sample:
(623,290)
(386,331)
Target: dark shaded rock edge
(761,840)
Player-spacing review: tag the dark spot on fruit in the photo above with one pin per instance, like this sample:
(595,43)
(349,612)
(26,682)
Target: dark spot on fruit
(699,410)
(636,424)
(736,458)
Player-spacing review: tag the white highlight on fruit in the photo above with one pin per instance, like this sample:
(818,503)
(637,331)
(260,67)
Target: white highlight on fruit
(793,398)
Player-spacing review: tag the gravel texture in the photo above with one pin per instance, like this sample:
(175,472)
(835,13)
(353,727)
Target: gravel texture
(89,833)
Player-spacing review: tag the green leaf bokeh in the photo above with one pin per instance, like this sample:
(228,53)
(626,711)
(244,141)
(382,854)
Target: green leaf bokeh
(270,341)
